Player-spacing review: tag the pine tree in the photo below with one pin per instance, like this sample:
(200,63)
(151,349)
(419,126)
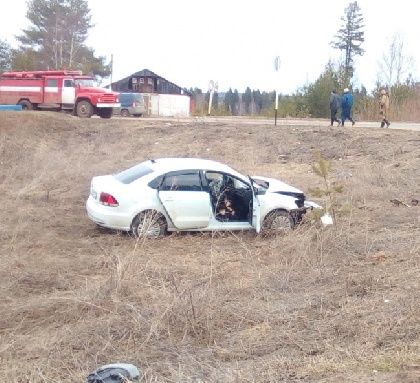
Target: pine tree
(234,100)
(351,36)
(57,36)
(247,99)
(227,100)
(5,56)
(318,93)
(258,100)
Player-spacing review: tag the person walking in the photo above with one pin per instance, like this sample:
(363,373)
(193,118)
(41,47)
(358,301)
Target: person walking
(384,107)
(335,102)
(346,105)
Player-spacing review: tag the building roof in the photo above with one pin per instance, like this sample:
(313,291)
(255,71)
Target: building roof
(149,73)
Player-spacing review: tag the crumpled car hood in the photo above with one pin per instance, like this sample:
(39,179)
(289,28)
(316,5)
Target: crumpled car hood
(277,185)
(280,187)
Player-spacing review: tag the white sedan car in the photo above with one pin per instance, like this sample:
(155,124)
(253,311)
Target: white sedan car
(192,194)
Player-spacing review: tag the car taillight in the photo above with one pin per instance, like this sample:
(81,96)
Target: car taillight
(133,104)
(108,200)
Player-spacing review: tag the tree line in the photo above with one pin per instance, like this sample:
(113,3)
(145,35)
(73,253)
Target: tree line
(312,100)
(56,39)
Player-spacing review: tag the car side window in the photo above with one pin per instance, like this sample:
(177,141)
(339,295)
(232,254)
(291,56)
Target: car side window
(185,181)
(170,182)
(154,184)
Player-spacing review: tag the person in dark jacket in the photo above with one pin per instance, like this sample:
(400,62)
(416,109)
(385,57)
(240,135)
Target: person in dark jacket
(335,103)
(346,105)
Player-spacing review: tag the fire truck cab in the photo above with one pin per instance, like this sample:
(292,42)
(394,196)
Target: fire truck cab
(57,90)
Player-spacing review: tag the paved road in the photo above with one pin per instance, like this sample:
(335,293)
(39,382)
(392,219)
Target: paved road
(281,121)
(363,124)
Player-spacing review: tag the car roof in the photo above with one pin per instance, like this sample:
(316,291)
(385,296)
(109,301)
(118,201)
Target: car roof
(180,163)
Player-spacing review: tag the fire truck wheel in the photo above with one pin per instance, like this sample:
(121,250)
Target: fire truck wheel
(26,105)
(84,109)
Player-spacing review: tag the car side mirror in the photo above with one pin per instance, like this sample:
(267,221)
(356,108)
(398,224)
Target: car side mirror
(259,191)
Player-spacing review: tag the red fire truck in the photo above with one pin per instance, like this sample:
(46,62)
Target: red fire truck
(57,90)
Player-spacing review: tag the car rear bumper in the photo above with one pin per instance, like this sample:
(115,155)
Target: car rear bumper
(106,217)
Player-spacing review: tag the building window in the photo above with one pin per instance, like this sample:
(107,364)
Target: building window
(141,80)
(150,81)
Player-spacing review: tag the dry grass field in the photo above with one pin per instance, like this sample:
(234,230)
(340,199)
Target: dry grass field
(337,304)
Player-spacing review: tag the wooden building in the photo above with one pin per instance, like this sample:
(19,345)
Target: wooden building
(162,97)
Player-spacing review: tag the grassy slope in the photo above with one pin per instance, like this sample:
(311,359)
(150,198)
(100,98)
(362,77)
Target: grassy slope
(320,305)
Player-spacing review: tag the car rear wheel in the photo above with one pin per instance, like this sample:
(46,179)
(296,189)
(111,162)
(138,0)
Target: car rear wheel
(149,224)
(278,222)
(125,113)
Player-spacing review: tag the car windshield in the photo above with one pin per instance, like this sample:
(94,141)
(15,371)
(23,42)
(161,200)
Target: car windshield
(84,82)
(130,175)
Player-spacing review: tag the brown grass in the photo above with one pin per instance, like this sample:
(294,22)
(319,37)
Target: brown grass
(339,304)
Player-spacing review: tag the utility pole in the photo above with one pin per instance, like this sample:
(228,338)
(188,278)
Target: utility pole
(213,87)
(276,67)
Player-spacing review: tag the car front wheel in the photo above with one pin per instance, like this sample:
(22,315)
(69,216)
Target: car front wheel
(149,224)
(278,222)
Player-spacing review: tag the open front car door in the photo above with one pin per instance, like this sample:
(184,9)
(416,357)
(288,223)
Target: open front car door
(256,210)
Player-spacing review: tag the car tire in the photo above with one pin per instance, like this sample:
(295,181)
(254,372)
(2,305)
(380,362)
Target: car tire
(149,224)
(125,113)
(278,222)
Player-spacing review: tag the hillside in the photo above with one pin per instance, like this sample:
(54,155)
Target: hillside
(335,304)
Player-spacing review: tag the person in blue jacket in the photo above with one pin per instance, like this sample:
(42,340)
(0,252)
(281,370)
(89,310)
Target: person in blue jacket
(346,105)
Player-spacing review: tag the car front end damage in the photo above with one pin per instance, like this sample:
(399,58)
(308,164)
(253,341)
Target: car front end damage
(280,195)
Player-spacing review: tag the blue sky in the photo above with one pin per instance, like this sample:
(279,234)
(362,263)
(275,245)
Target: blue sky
(235,42)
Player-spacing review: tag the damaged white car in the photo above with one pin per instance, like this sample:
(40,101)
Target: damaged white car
(192,194)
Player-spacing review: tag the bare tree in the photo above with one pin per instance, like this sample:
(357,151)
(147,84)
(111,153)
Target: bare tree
(395,63)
